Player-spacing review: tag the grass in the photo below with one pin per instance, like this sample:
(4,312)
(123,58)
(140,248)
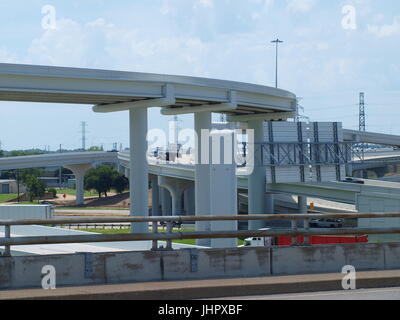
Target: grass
(125,231)
(7,197)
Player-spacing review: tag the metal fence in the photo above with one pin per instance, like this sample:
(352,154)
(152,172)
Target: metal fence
(308,154)
(171,235)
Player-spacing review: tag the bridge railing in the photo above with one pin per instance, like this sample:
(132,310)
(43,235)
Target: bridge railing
(7,241)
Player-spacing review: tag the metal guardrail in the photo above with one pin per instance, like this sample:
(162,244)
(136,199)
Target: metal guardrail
(170,235)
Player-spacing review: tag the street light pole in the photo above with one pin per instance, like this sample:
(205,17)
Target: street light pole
(277,42)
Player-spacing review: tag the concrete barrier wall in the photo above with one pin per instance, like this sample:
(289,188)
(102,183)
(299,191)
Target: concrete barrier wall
(22,212)
(112,268)
(379,202)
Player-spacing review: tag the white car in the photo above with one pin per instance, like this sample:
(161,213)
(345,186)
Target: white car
(326,223)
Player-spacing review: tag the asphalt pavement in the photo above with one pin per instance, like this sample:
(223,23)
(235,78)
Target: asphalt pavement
(385,294)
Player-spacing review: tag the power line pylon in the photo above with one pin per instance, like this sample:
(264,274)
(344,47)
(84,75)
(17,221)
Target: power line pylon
(362,112)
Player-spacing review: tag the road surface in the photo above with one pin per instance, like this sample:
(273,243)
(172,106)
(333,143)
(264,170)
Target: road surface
(367,294)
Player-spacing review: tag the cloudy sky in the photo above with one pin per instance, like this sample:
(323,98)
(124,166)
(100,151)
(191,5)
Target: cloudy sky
(332,50)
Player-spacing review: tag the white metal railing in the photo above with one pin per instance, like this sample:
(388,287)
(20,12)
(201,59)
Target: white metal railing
(7,241)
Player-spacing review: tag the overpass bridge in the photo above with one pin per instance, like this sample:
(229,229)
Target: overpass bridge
(79,163)
(372,196)
(377,161)
(371,137)
(114,91)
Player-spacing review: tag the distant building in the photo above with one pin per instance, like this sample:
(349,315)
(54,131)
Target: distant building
(10,186)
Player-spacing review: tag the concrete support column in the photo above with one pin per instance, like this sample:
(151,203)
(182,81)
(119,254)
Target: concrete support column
(269,203)
(176,188)
(202,121)
(189,202)
(380,172)
(155,196)
(166,202)
(127,173)
(257,180)
(186,202)
(223,188)
(138,167)
(302,203)
(79,171)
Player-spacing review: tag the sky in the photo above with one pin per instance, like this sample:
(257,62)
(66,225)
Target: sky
(332,51)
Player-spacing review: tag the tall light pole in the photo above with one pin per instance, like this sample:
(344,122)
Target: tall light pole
(277,42)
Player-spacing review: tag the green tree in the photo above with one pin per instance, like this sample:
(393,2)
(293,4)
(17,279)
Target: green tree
(120,183)
(100,179)
(36,188)
(95,149)
(103,179)
(21,176)
(19,153)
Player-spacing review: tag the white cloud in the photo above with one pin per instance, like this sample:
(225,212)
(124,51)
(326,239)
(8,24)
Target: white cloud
(65,45)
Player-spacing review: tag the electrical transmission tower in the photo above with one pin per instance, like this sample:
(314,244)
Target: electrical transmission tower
(83,125)
(362,125)
(300,112)
(362,113)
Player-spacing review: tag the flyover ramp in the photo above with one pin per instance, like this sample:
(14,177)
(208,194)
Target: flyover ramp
(285,203)
(79,163)
(338,191)
(371,137)
(57,160)
(103,88)
(330,191)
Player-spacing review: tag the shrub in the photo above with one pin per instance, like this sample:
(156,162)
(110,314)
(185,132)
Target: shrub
(53,192)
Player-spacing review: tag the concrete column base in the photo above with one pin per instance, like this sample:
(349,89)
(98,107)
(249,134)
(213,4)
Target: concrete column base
(79,171)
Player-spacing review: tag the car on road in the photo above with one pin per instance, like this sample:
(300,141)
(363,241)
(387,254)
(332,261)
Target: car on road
(352,180)
(175,224)
(326,223)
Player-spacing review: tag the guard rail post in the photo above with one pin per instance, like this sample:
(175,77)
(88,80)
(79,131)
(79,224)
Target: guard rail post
(155,231)
(170,226)
(7,235)
(294,228)
(307,228)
